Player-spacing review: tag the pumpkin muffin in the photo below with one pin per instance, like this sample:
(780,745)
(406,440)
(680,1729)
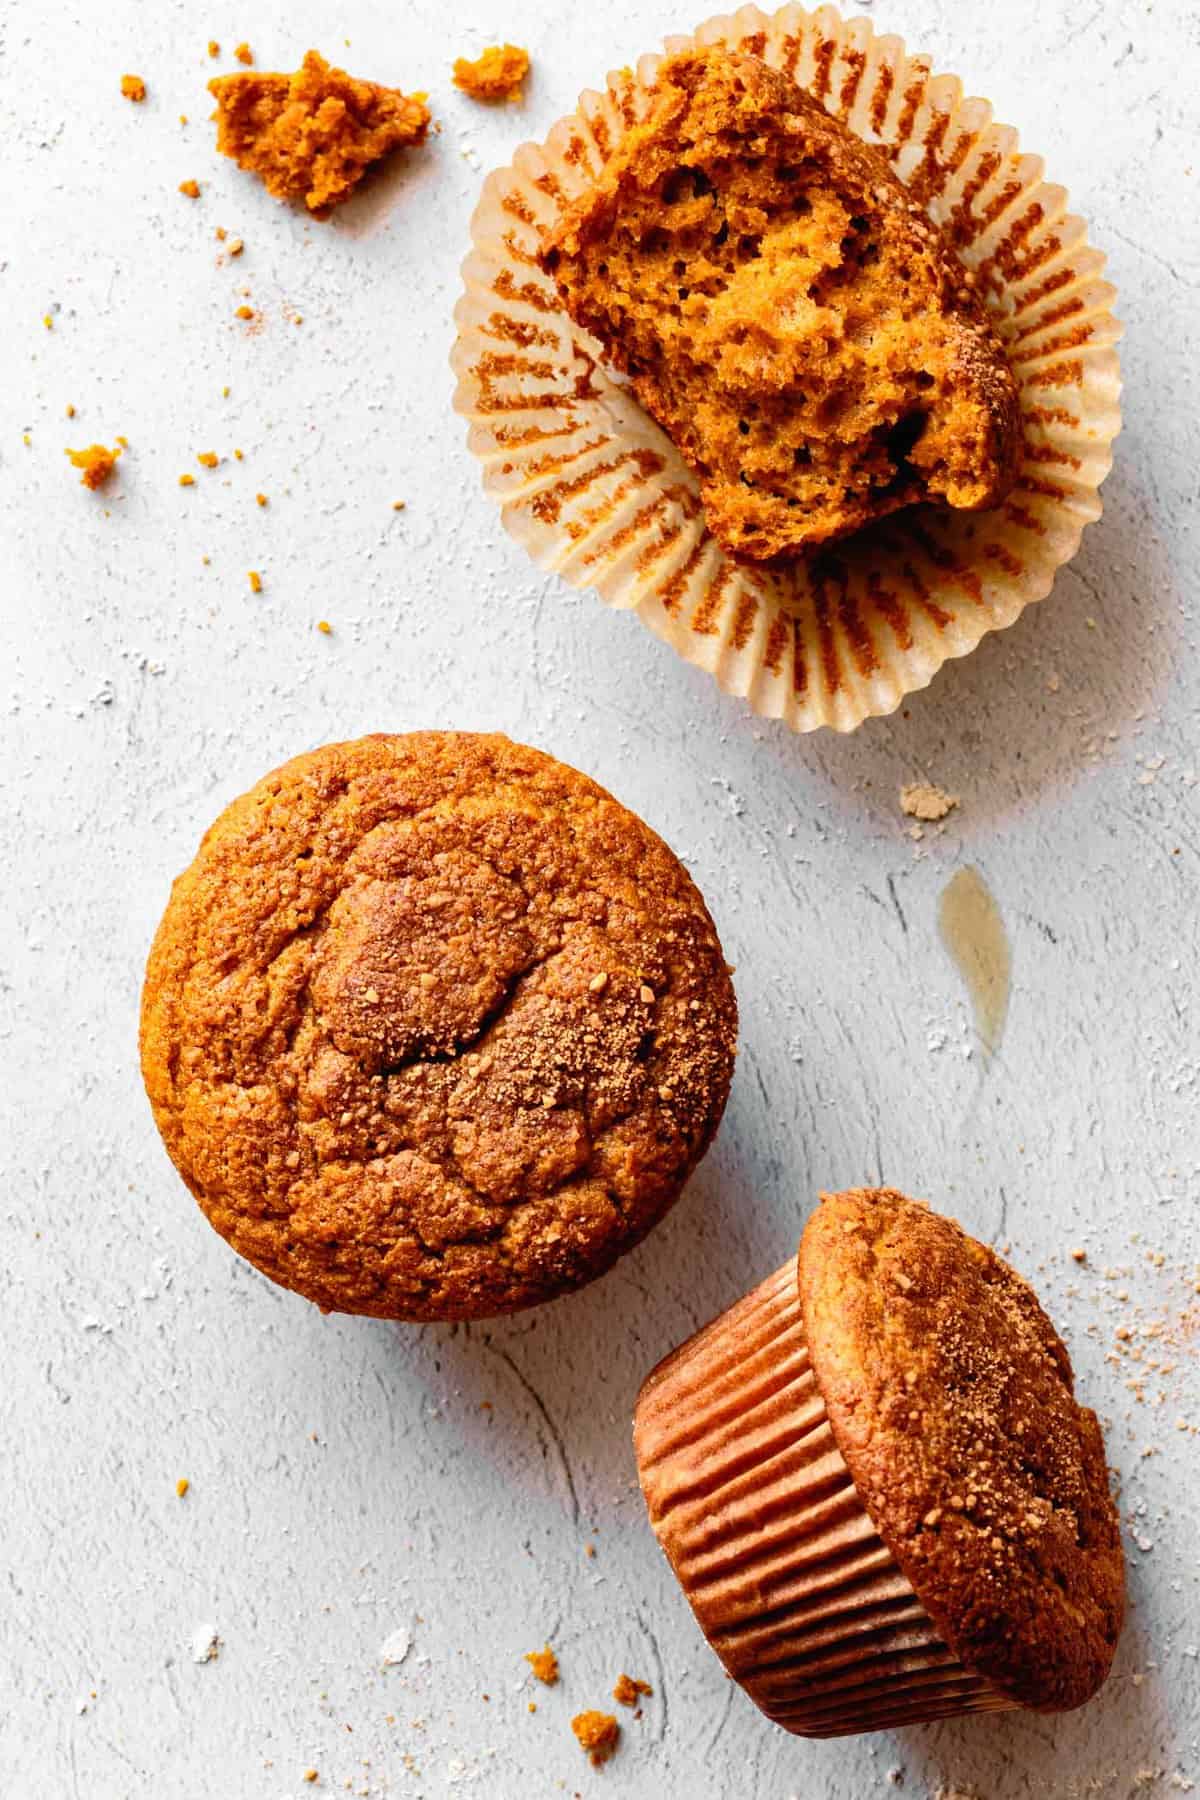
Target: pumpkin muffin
(433,1028)
(876,1487)
(787,311)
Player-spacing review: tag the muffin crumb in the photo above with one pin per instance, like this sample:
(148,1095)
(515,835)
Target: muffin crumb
(544,1664)
(922,800)
(598,1734)
(312,135)
(255,580)
(496,75)
(244,54)
(628,1690)
(97,462)
(133,87)
(207,459)
(190,188)
(182,1486)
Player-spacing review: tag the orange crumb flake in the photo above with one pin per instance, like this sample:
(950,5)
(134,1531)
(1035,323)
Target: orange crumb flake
(214,49)
(261,499)
(244,54)
(544,1664)
(97,463)
(598,1734)
(496,75)
(48,321)
(208,459)
(244,312)
(182,1486)
(70,410)
(220,234)
(399,505)
(236,246)
(187,481)
(183,118)
(312,135)
(324,627)
(255,582)
(237,455)
(589,1549)
(628,1690)
(191,189)
(133,87)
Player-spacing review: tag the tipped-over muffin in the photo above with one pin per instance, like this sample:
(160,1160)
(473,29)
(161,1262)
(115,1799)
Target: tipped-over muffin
(312,136)
(433,1028)
(787,312)
(876,1487)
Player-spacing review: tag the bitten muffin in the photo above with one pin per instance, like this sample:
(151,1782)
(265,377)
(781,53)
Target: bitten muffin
(876,1487)
(433,1028)
(787,311)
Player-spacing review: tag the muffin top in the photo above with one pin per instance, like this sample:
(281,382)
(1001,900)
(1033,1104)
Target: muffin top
(433,1028)
(950,1396)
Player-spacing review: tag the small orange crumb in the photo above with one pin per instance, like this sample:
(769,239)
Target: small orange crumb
(237,455)
(244,54)
(70,410)
(123,441)
(589,1549)
(255,582)
(191,189)
(244,312)
(496,75)
(220,234)
(208,459)
(236,247)
(1079,1255)
(324,627)
(133,87)
(533,1706)
(598,1734)
(96,461)
(399,505)
(225,396)
(544,1664)
(182,1486)
(628,1690)
(183,118)
(261,498)
(214,49)
(48,321)
(187,481)
(311,135)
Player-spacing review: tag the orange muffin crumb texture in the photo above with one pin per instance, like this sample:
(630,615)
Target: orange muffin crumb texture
(133,87)
(311,136)
(544,1664)
(97,463)
(496,75)
(190,188)
(598,1734)
(628,1690)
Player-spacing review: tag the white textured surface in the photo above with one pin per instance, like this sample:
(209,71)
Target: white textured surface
(347,1484)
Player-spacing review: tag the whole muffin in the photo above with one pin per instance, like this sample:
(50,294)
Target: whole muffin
(876,1487)
(433,1028)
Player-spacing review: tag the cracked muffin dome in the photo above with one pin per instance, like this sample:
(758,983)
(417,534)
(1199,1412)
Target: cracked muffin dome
(876,1486)
(433,1028)
(787,311)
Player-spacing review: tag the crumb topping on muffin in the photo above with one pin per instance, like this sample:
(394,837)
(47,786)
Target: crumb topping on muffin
(950,1395)
(434,1028)
(787,311)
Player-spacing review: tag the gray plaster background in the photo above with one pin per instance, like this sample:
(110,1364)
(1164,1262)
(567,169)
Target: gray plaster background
(347,1481)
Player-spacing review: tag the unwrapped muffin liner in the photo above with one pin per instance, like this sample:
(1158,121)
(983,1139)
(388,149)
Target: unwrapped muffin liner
(789,1580)
(596,492)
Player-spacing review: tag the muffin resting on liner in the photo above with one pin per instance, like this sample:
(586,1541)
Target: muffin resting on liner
(597,493)
(876,1488)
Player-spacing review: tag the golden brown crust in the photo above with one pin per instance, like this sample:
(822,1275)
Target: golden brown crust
(434,1028)
(787,312)
(312,136)
(950,1397)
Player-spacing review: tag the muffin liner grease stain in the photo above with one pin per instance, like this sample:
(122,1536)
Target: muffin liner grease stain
(789,1580)
(597,493)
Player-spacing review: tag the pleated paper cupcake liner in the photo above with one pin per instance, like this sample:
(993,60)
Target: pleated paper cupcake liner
(752,1502)
(597,492)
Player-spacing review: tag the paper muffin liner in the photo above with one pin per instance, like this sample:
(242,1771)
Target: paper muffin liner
(596,492)
(752,1501)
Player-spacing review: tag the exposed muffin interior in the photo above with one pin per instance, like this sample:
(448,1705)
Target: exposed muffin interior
(787,312)
(434,1028)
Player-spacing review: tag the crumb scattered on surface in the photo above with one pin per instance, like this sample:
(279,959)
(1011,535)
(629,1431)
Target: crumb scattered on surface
(244,54)
(324,627)
(182,1486)
(922,800)
(214,49)
(190,188)
(244,312)
(207,458)
(70,410)
(598,1734)
(628,1690)
(261,499)
(1079,1255)
(236,246)
(311,136)
(544,1664)
(97,462)
(133,87)
(589,1549)
(220,234)
(496,75)
(187,481)
(399,505)
(255,581)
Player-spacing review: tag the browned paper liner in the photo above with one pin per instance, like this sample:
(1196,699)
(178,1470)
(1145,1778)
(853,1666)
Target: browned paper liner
(791,1584)
(596,491)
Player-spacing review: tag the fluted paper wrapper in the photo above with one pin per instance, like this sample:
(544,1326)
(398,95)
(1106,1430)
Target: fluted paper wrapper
(596,491)
(753,1503)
